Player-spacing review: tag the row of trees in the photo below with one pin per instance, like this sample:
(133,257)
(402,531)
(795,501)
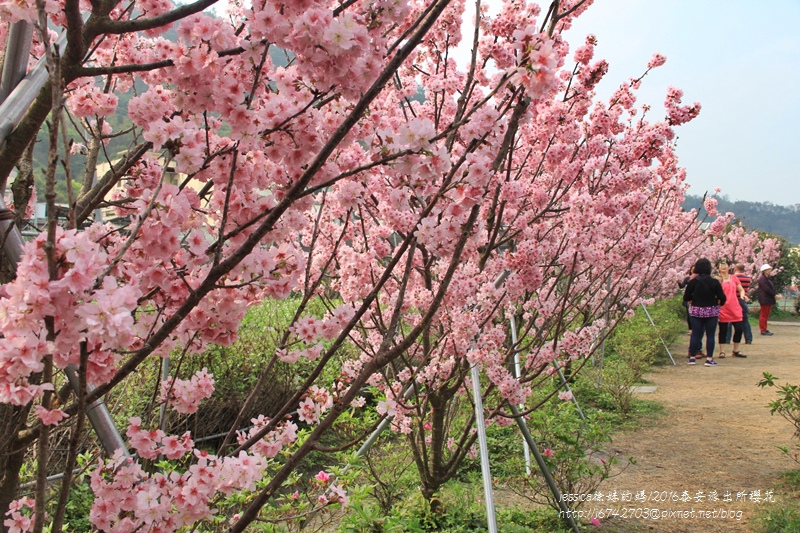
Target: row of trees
(420,226)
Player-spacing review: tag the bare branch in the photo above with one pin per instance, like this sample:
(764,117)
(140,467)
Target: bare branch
(117,27)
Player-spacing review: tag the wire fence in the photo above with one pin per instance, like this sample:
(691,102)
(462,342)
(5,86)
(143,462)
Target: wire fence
(788,302)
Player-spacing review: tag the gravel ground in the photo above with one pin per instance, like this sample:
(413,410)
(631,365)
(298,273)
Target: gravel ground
(717,437)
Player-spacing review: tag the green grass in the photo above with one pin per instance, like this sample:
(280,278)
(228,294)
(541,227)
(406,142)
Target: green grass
(779,315)
(779,520)
(644,413)
(784,516)
(792,479)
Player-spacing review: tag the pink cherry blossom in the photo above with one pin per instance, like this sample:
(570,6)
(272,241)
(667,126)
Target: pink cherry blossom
(403,226)
(185,395)
(656,61)
(50,417)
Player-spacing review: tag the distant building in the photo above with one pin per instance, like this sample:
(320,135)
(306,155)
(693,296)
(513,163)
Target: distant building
(109,213)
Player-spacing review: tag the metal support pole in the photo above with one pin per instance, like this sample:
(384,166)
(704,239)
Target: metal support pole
(15,62)
(523,427)
(100,418)
(162,412)
(362,451)
(567,387)
(488,494)
(657,333)
(12,247)
(517,373)
(22,96)
(381,427)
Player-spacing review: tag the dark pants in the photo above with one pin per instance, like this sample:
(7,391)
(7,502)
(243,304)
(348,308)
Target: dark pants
(747,330)
(702,326)
(688,318)
(725,329)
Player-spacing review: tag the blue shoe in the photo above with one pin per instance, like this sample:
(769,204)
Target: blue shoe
(692,361)
(711,362)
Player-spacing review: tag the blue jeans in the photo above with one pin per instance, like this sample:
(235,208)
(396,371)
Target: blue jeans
(700,326)
(746,329)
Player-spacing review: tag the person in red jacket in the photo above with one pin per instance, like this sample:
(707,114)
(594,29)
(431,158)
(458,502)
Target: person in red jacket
(767,297)
(730,314)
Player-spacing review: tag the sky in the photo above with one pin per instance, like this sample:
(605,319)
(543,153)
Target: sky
(740,59)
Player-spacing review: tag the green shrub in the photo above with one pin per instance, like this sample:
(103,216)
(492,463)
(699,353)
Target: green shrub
(780,520)
(236,370)
(460,513)
(517,520)
(461,509)
(616,380)
(573,449)
(785,518)
(505,447)
(788,406)
(636,341)
(633,347)
(76,516)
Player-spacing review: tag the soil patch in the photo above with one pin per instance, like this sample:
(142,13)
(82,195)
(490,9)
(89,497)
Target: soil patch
(715,449)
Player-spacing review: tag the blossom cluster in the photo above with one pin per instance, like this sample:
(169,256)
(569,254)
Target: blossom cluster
(19,520)
(151,444)
(85,309)
(127,498)
(283,435)
(185,395)
(456,200)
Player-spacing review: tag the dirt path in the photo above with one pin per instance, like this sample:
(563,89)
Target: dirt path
(717,435)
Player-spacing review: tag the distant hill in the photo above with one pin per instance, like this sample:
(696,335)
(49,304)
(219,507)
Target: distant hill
(765,216)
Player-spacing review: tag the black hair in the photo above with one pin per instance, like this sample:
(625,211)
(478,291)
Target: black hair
(702,266)
(725,260)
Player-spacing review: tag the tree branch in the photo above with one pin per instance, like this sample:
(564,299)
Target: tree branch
(117,27)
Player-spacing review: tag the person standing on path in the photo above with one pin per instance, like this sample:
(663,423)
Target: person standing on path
(682,285)
(746,281)
(730,314)
(767,297)
(704,296)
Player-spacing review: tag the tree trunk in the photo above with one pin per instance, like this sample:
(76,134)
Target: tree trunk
(429,493)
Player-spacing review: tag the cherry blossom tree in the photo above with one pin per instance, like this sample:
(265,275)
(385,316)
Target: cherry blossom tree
(584,215)
(418,225)
(190,263)
(730,239)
